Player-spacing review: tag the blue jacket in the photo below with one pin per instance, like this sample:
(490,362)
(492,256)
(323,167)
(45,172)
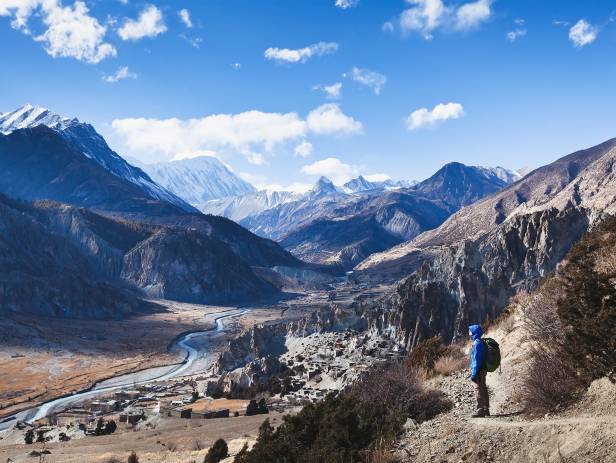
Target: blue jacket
(478,354)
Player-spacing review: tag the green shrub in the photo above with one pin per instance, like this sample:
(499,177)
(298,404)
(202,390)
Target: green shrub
(587,309)
(217,452)
(133,458)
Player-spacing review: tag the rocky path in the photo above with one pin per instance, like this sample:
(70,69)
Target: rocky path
(586,433)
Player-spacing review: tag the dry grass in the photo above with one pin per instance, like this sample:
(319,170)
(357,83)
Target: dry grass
(449,364)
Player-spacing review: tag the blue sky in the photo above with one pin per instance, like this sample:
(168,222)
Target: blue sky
(213,88)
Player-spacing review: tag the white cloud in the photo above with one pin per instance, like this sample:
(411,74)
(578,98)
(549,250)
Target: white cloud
(304,149)
(237,66)
(333,91)
(328,119)
(377,177)
(150,23)
(251,133)
(519,21)
(194,42)
(515,34)
(427,16)
(345,4)
(583,33)
(441,112)
(301,55)
(332,168)
(184,15)
(121,74)
(369,78)
(471,15)
(70,31)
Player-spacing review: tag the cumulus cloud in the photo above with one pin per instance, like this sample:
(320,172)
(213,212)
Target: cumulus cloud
(252,133)
(333,91)
(369,78)
(471,15)
(328,119)
(345,4)
(184,15)
(427,16)
(301,55)
(304,149)
(121,74)
(427,118)
(332,168)
(150,23)
(583,33)
(70,31)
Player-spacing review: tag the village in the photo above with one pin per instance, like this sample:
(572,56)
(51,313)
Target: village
(312,367)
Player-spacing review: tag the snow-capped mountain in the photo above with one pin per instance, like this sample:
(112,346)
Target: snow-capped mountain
(85,139)
(240,207)
(198,180)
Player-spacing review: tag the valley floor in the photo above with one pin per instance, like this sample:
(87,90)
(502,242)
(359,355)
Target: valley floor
(44,359)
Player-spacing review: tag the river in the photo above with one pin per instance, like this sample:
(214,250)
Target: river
(195,355)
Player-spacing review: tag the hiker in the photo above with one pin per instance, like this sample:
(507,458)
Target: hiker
(479,371)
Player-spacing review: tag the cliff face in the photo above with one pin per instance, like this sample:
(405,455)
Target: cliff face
(189,266)
(471,281)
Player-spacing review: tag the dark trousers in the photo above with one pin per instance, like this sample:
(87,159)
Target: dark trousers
(483,399)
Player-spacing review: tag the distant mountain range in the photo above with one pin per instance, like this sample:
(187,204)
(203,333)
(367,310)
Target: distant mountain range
(344,225)
(108,214)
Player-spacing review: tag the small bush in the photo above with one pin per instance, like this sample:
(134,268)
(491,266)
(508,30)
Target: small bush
(29,437)
(133,458)
(426,353)
(217,452)
(450,364)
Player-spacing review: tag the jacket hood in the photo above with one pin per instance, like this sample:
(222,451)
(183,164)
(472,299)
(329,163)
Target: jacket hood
(475,331)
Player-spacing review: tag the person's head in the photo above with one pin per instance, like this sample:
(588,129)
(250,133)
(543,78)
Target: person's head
(475,331)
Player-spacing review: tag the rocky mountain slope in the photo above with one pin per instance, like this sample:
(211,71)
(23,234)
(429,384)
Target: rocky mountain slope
(466,270)
(198,180)
(39,163)
(44,271)
(71,262)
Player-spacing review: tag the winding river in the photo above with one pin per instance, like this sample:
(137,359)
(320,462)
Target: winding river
(194,356)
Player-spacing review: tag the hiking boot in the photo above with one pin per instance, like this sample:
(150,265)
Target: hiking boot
(480,414)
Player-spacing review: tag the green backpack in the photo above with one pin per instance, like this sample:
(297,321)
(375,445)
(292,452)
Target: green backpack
(493,356)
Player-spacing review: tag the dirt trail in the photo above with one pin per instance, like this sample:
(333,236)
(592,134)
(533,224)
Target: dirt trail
(586,433)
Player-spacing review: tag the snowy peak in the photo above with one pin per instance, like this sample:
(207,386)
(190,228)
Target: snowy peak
(29,116)
(360,184)
(199,180)
(324,186)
